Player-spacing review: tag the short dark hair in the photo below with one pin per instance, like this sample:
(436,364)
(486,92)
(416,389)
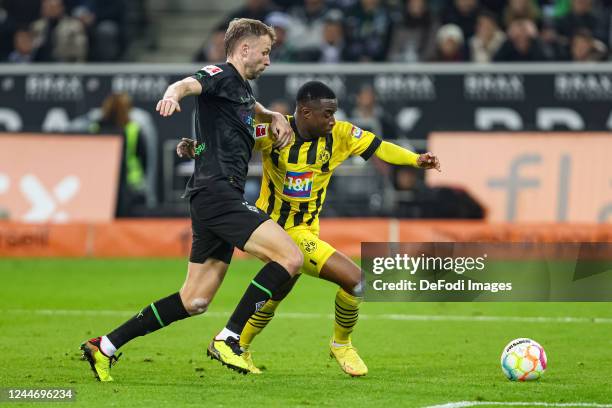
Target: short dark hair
(314,91)
(240,28)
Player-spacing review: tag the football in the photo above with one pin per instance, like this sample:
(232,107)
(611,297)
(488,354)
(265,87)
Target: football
(523,360)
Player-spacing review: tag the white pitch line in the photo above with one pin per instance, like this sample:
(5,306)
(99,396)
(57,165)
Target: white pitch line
(461,404)
(303,316)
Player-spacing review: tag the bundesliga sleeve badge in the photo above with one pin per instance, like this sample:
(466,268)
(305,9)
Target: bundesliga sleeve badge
(212,70)
(356,132)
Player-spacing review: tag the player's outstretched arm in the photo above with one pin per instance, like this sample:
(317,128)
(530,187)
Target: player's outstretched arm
(394,154)
(174,93)
(281,130)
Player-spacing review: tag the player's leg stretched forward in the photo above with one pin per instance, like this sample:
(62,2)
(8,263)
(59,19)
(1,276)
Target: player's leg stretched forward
(202,281)
(339,269)
(205,274)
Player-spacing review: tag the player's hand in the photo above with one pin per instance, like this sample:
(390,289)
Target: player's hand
(281,130)
(186,148)
(428,161)
(167,106)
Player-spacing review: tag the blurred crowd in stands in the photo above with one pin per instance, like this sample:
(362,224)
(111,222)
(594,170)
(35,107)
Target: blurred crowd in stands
(62,30)
(331,31)
(482,31)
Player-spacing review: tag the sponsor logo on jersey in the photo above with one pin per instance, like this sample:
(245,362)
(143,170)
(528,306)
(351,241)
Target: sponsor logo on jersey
(298,184)
(246,116)
(261,131)
(212,70)
(356,132)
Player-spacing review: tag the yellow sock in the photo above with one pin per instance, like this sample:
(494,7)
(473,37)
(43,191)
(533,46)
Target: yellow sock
(257,322)
(347,312)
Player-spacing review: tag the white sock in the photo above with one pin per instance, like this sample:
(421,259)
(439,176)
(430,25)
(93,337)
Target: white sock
(336,345)
(225,333)
(107,347)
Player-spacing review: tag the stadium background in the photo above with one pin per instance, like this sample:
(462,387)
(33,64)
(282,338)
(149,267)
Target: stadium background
(514,97)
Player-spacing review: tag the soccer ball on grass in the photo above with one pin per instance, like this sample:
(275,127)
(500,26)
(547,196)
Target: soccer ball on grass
(523,360)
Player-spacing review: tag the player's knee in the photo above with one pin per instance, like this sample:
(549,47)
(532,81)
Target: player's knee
(358,289)
(352,285)
(293,260)
(196,305)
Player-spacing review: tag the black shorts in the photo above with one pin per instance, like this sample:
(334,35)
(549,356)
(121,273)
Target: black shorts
(221,219)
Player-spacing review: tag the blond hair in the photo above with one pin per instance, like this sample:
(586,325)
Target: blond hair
(240,28)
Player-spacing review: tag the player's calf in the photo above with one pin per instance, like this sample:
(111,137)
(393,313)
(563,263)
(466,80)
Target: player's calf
(100,351)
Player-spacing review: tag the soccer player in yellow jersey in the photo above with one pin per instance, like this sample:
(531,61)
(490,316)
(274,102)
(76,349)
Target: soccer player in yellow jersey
(293,189)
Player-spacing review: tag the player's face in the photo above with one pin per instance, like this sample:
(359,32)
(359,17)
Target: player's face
(320,117)
(257,56)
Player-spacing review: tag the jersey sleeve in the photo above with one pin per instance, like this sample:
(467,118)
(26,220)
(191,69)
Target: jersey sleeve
(263,141)
(361,142)
(209,77)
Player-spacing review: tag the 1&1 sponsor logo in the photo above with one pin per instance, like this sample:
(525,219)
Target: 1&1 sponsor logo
(298,184)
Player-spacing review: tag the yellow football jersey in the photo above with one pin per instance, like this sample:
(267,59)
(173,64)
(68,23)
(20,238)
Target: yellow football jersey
(295,179)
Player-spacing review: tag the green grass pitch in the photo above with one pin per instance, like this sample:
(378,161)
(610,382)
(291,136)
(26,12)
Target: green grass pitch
(419,354)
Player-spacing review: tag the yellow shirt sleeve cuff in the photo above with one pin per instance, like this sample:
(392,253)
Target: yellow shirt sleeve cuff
(394,154)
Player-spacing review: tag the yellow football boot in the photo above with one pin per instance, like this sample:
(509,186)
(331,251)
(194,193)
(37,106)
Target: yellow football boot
(229,353)
(100,363)
(348,359)
(248,356)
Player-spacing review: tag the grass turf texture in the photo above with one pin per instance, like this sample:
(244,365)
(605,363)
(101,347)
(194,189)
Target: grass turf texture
(412,363)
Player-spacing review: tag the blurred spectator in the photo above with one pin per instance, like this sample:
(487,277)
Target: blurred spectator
(414,34)
(406,178)
(521,9)
(286,5)
(581,16)
(559,7)
(462,13)
(116,120)
(450,44)
(23,47)
(104,22)
(487,40)
(281,51)
(58,37)
(212,50)
(333,45)
(522,44)
(585,48)
(306,30)
(255,9)
(494,6)
(368,31)
(7,30)
(369,115)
